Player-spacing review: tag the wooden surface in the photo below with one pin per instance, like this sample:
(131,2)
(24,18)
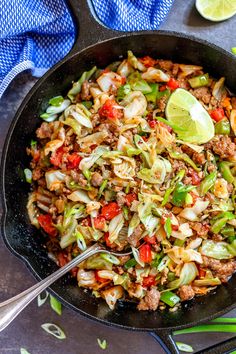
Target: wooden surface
(82,333)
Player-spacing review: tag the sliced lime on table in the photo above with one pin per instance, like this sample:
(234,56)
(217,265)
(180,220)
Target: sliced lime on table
(216,10)
(184,111)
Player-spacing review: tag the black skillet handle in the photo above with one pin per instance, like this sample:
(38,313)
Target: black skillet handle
(166,341)
(89,30)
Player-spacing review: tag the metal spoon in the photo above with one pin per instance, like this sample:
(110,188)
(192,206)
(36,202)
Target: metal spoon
(9,309)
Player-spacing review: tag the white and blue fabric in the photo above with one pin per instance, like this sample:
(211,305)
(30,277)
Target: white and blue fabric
(36,34)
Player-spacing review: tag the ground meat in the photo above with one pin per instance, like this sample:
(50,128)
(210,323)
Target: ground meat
(135,236)
(78,178)
(161,103)
(203,94)
(44,131)
(211,167)
(85,94)
(120,198)
(165,64)
(222,146)
(199,158)
(175,69)
(217,237)
(124,259)
(37,174)
(178,165)
(200,228)
(220,269)
(96,179)
(186,292)
(150,301)
(95,119)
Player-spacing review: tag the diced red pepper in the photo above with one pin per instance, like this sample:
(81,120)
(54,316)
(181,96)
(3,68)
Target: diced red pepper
(73,161)
(108,242)
(99,279)
(152,123)
(129,198)
(150,239)
(201,272)
(99,222)
(56,157)
(62,259)
(172,84)
(109,111)
(36,155)
(148,61)
(109,211)
(162,88)
(149,281)
(92,147)
(217,114)
(145,253)
(45,221)
(123,80)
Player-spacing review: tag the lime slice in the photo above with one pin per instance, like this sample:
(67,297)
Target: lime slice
(184,110)
(216,10)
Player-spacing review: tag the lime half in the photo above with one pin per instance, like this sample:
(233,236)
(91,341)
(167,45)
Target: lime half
(184,110)
(216,10)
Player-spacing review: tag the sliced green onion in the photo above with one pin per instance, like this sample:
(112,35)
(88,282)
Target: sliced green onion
(102,187)
(56,101)
(225,170)
(24,351)
(54,330)
(233,50)
(28,175)
(55,305)
(180,193)
(178,178)
(33,143)
(207,328)
(207,183)
(80,241)
(42,299)
(184,347)
(110,258)
(199,81)
(87,104)
(102,343)
(170,298)
(48,117)
(130,263)
(168,227)
(87,174)
(125,212)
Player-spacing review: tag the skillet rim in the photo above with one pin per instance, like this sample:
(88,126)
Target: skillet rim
(6,148)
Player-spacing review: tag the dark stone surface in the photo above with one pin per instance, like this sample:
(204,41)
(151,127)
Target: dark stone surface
(82,333)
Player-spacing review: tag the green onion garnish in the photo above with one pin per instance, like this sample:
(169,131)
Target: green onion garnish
(55,305)
(102,343)
(56,101)
(168,227)
(185,347)
(233,50)
(102,187)
(24,351)
(28,175)
(42,299)
(54,330)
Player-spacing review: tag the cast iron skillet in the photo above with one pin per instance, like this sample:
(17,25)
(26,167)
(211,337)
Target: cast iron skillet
(23,239)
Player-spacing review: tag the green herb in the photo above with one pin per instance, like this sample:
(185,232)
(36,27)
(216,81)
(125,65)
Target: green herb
(168,227)
(55,305)
(102,187)
(130,263)
(28,175)
(170,298)
(199,81)
(56,101)
(180,193)
(207,183)
(102,343)
(24,351)
(123,91)
(42,299)
(54,330)
(184,347)
(233,50)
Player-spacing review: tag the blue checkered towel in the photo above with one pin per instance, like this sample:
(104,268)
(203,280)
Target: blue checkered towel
(35,34)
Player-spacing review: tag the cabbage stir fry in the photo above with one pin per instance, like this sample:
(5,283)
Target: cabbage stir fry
(141,156)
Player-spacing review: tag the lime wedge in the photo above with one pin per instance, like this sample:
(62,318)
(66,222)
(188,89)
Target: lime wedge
(216,10)
(184,111)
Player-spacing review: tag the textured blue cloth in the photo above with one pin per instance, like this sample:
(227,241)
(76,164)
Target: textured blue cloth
(36,34)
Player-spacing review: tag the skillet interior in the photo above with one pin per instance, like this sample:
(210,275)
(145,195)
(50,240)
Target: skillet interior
(25,241)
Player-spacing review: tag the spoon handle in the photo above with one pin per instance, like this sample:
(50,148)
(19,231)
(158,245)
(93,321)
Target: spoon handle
(10,308)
